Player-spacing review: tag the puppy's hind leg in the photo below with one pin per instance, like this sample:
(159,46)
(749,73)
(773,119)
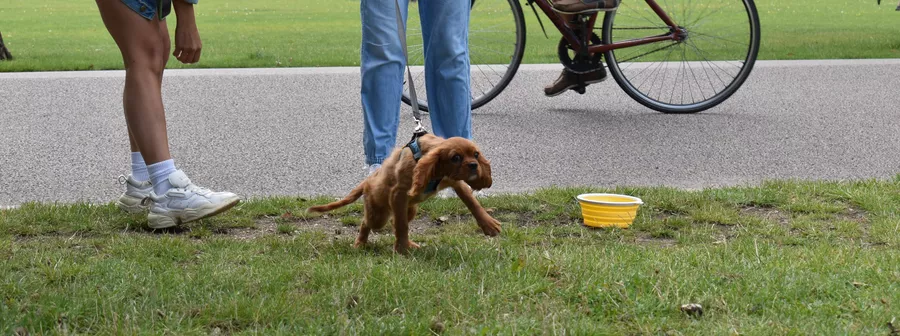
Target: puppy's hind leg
(363,236)
(375,219)
(400,209)
(410,215)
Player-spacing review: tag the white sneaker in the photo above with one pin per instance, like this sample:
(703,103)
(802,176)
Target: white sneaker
(372,168)
(449,192)
(186,202)
(136,197)
(446,193)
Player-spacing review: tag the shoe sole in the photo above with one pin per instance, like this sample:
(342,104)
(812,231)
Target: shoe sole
(572,86)
(131,205)
(131,208)
(158,221)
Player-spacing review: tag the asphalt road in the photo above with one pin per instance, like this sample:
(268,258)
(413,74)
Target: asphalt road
(260,132)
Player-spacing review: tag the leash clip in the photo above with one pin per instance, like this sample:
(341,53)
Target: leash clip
(419,130)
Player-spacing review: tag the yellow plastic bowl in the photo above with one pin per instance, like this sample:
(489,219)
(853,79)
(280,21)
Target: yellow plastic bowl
(608,210)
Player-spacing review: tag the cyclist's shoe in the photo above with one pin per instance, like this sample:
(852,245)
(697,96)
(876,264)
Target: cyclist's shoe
(136,197)
(584,6)
(186,202)
(569,80)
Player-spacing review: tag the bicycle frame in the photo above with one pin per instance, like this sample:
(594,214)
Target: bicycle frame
(578,44)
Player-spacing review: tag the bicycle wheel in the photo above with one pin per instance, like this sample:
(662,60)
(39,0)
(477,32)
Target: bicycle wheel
(496,47)
(721,41)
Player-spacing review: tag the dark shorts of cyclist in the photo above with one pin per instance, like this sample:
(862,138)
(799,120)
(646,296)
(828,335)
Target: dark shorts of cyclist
(567,79)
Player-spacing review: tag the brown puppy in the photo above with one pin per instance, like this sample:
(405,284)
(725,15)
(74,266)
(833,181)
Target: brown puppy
(403,181)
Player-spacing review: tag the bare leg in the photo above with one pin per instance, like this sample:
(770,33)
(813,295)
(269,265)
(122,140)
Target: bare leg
(144,45)
(134,146)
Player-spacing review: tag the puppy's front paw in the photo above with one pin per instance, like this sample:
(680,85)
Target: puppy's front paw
(403,247)
(490,226)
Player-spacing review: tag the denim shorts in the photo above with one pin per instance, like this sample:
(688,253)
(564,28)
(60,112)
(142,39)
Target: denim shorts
(150,8)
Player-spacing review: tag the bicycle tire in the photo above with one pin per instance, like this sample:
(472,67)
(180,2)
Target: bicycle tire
(495,90)
(719,97)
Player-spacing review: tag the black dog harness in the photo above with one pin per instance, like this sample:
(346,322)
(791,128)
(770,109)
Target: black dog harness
(413,146)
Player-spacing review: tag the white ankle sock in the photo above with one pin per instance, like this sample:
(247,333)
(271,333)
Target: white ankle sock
(139,167)
(159,176)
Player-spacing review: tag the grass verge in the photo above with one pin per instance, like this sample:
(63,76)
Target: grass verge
(785,257)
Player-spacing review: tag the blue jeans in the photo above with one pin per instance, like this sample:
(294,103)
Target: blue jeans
(445,29)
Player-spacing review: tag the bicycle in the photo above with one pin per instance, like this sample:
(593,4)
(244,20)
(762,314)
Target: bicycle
(699,32)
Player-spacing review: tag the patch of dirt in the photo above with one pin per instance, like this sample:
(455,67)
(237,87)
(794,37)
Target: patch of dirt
(331,224)
(264,226)
(862,218)
(659,242)
(855,215)
(772,214)
(327,224)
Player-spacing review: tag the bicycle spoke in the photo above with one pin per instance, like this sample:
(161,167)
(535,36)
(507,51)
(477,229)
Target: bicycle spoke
(642,15)
(481,39)
(678,77)
(699,88)
(668,11)
(482,72)
(649,52)
(718,38)
(642,71)
(486,49)
(696,27)
(699,32)
(656,73)
(716,64)
(697,22)
(705,72)
(663,28)
(700,53)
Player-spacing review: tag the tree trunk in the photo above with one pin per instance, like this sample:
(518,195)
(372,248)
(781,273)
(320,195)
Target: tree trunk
(4,53)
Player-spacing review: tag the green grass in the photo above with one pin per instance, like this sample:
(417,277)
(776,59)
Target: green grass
(67,35)
(815,258)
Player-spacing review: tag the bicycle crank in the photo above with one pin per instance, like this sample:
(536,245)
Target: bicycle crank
(578,63)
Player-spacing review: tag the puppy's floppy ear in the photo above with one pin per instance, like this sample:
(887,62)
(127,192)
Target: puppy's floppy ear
(425,169)
(484,180)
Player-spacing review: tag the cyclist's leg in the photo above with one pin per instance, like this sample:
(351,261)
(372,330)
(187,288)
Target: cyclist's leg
(445,28)
(382,69)
(569,80)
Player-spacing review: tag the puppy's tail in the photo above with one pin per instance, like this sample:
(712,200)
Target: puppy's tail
(355,194)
